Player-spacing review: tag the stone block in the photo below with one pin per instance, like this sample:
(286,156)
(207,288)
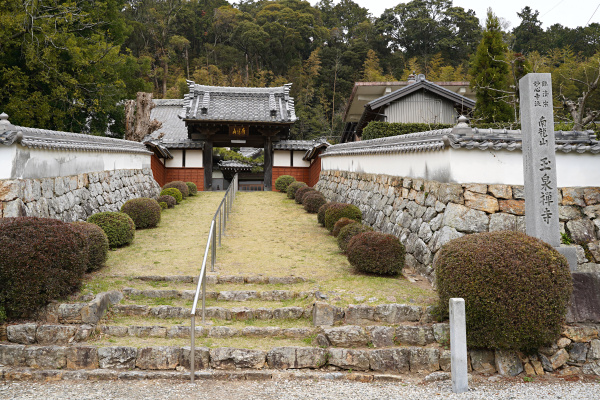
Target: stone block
(584,305)
(414,335)
(263,313)
(397,313)
(21,333)
(390,360)
(508,363)
(582,230)
(221,332)
(592,212)
(83,333)
(159,357)
(45,357)
(276,295)
(465,219)
(441,333)
(323,314)
(147,331)
(117,357)
(349,359)
(515,207)
(359,314)
(578,352)
(501,191)
(481,202)
(282,358)
(201,357)
(573,197)
(479,188)
(445,360)
(266,331)
(594,352)
(11,190)
(237,295)
(483,361)
(231,358)
(381,336)
(55,334)
(559,359)
(82,357)
(215,312)
(591,196)
(12,355)
(451,192)
(592,368)
(424,360)
(288,313)
(131,309)
(567,213)
(118,331)
(443,236)
(347,336)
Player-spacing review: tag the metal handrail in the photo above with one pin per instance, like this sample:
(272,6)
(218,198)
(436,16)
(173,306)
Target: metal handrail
(222,213)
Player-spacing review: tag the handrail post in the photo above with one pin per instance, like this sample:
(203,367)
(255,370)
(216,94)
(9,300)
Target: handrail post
(213,253)
(193,349)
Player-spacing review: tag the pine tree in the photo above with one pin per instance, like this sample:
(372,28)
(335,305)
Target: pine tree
(490,72)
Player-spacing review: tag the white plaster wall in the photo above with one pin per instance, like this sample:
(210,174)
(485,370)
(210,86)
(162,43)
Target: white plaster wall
(18,162)
(176,161)
(469,166)
(298,161)
(281,158)
(193,158)
(7,155)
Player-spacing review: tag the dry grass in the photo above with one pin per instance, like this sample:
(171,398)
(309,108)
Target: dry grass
(123,320)
(270,234)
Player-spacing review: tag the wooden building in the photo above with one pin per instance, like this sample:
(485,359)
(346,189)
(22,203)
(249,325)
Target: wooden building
(213,116)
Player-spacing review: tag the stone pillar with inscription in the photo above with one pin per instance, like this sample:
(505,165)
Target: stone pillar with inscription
(539,162)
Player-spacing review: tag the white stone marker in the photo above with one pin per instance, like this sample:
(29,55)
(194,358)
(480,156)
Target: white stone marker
(539,161)
(458,346)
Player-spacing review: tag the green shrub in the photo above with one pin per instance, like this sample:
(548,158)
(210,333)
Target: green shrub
(283,182)
(119,228)
(179,185)
(96,244)
(516,288)
(291,190)
(348,232)
(301,192)
(313,201)
(174,192)
(342,222)
(40,259)
(163,205)
(340,210)
(165,198)
(379,129)
(144,212)
(193,189)
(321,212)
(377,253)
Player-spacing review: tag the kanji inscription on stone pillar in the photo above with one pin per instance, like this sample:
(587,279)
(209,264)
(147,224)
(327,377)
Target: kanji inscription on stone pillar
(539,161)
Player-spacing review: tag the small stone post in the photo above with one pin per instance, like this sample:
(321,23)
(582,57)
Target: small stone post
(458,346)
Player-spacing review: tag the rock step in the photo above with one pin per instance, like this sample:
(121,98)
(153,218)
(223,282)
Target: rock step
(341,336)
(163,358)
(221,313)
(221,279)
(232,295)
(44,375)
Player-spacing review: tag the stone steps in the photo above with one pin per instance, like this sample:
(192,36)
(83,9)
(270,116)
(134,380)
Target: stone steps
(350,336)
(221,279)
(165,358)
(229,295)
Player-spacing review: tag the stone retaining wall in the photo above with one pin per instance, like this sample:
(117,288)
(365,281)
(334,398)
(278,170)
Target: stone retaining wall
(76,197)
(427,214)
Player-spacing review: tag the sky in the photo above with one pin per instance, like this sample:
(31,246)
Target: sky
(571,13)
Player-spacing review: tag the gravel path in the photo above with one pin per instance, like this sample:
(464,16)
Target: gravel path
(295,389)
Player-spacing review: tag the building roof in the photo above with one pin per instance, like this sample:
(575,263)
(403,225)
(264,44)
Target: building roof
(311,147)
(462,136)
(238,104)
(173,133)
(234,165)
(57,140)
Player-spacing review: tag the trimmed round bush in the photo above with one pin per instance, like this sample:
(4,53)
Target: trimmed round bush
(348,232)
(377,253)
(169,200)
(192,188)
(293,187)
(163,205)
(118,226)
(40,259)
(339,210)
(313,201)
(516,288)
(144,212)
(96,244)
(342,222)
(301,192)
(174,192)
(283,182)
(179,185)
(322,210)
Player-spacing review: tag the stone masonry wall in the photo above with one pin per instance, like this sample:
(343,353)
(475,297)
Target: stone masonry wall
(76,197)
(427,214)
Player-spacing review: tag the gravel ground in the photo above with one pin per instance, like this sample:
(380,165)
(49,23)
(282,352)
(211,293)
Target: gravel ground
(295,389)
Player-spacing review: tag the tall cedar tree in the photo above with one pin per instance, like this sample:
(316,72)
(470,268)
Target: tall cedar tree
(490,72)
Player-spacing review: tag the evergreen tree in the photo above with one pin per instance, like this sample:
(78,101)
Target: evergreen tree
(490,72)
